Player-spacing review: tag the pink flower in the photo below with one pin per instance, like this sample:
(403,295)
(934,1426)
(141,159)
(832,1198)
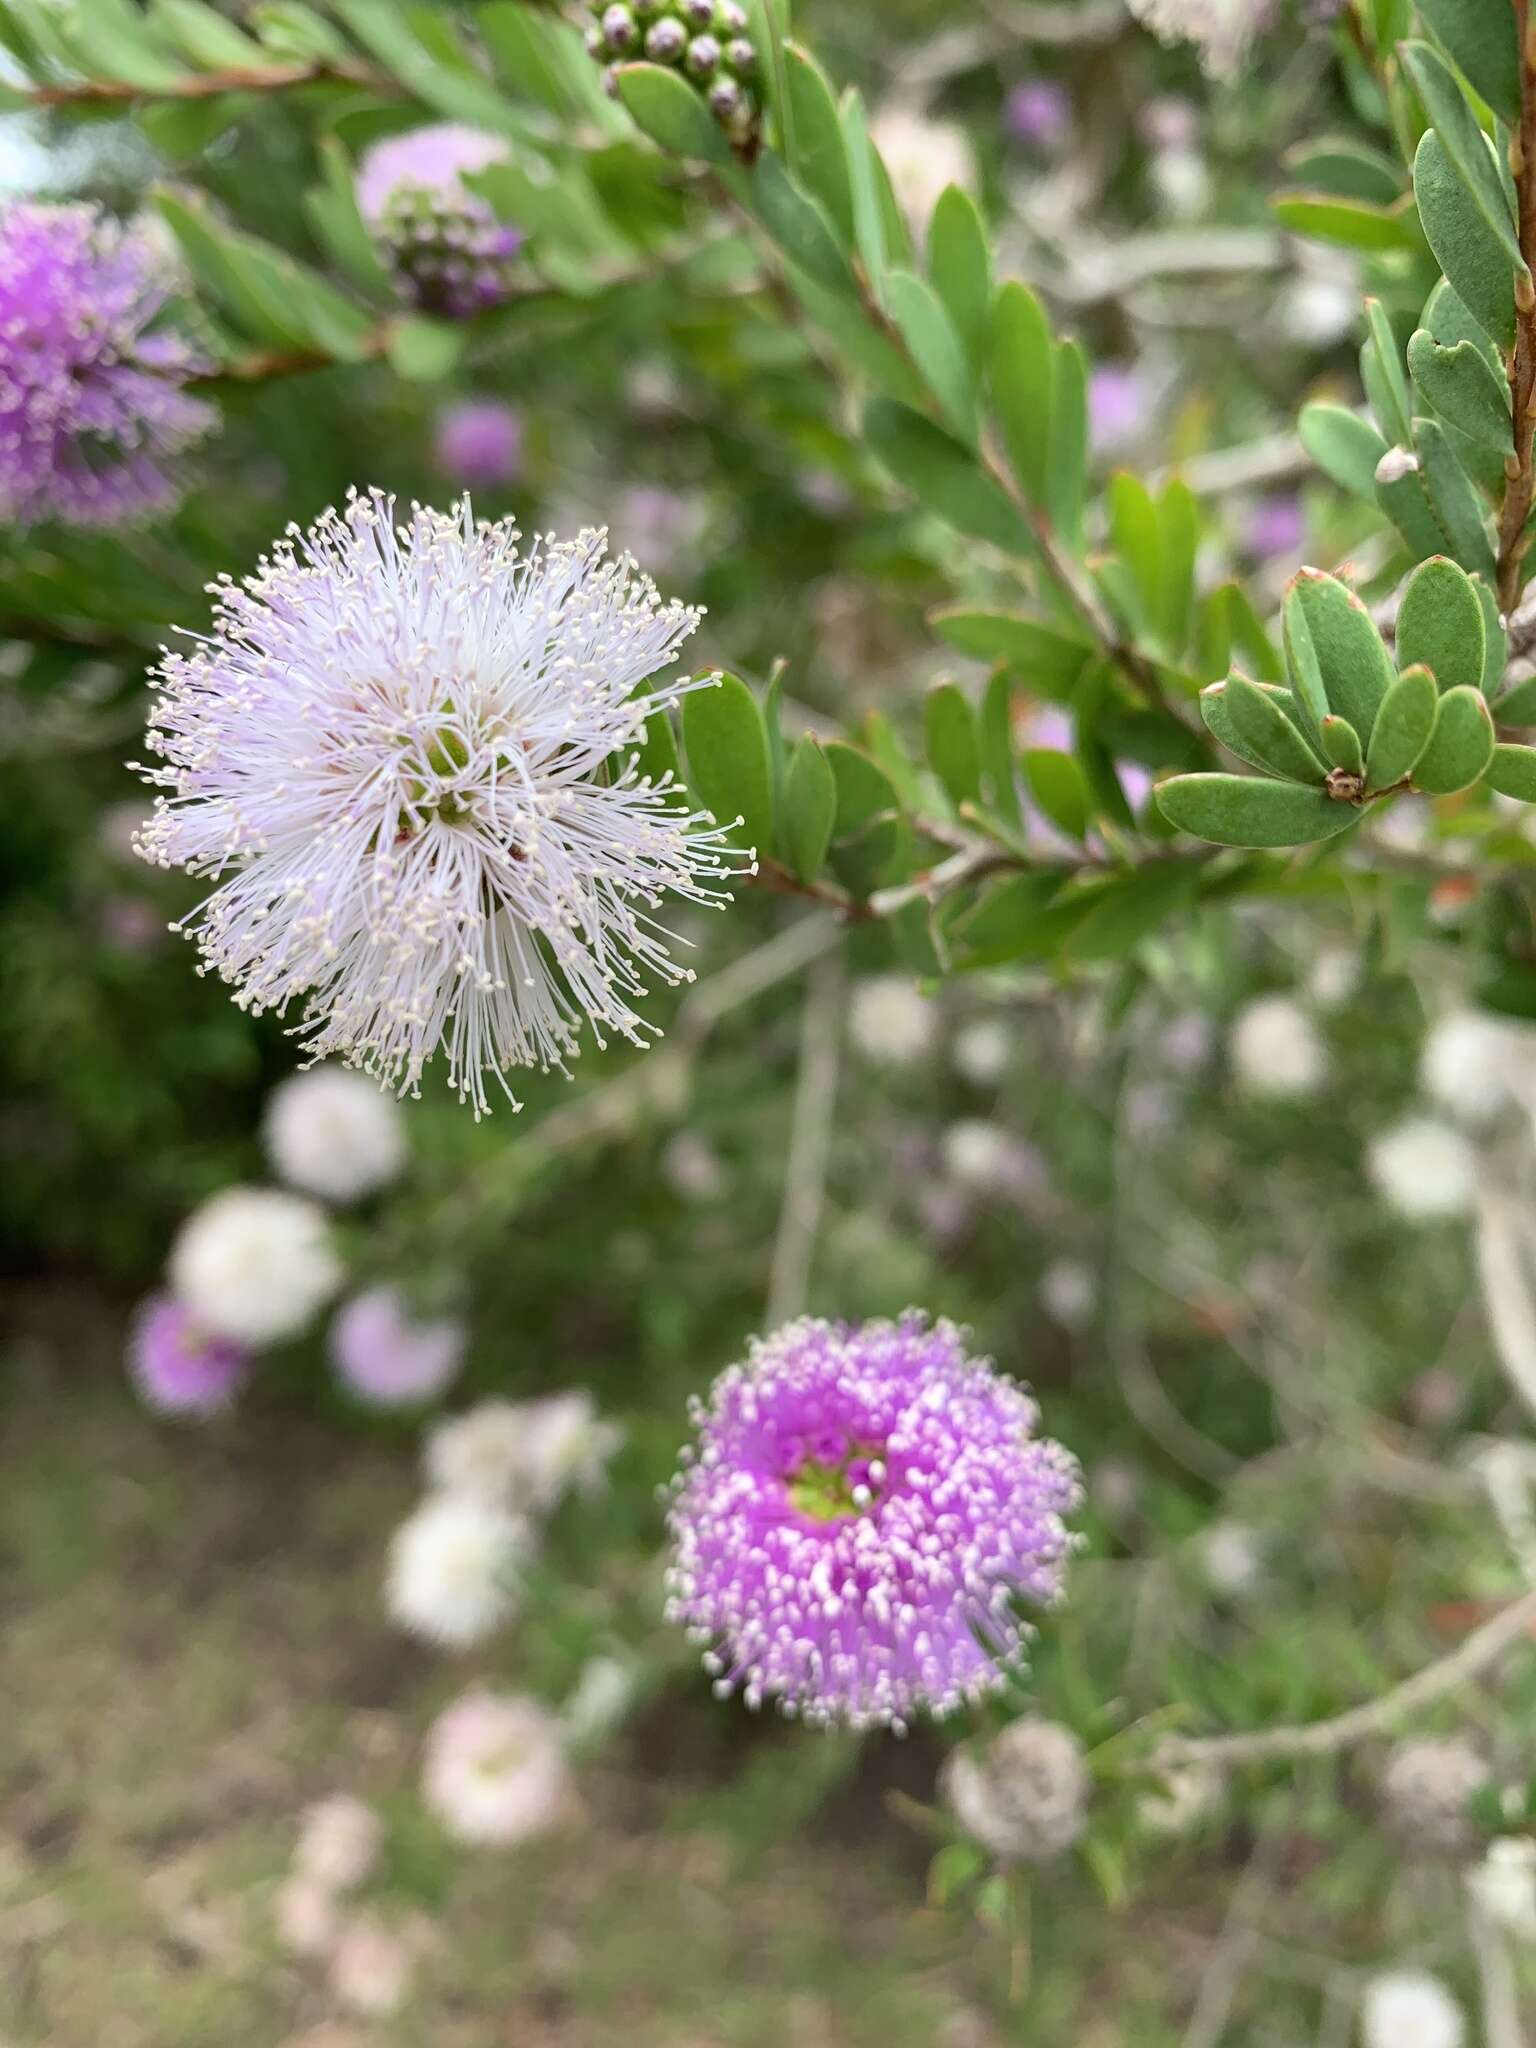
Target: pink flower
(389,1358)
(495,1768)
(178,1365)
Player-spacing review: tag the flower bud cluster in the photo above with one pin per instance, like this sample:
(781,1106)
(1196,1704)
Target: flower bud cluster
(704,41)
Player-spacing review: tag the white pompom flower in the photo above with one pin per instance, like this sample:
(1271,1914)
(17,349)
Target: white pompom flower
(408,755)
(1423,1169)
(334,1134)
(1410,2009)
(1275,1050)
(255,1265)
(522,1454)
(452,1570)
(1503,1885)
(1221,30)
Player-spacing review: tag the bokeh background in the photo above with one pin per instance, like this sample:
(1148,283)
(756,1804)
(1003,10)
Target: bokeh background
(1172,1217)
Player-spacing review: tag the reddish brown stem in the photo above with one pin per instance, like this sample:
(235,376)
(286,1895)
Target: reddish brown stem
(204,85)
(1520,466)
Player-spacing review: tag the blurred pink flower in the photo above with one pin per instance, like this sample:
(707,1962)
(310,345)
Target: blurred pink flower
(495,1768)
(387,1357)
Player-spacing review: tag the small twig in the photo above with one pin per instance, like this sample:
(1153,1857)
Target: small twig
(1481,1650)
(203,85)
(810,1144)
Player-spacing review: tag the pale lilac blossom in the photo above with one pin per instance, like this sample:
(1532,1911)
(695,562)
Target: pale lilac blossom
(389,1357)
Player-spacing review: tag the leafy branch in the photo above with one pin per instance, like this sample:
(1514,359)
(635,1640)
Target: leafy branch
(1520,464)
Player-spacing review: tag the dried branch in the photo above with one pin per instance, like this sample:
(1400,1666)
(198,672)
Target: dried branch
(205,85)
(1520,466)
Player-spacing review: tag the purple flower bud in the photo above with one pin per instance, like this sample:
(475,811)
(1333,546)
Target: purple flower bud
(666,41)
(732,19)
(619,30)
(724,99)
(700,13)
(740,55)
(449,251)
(703,55)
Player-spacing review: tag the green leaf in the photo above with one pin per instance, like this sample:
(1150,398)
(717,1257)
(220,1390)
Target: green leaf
(864,790)
(1440,623)
(1059,789)
(1345,169)
(1480,36)
(1047,658)
(810,805)
(667,109)
(1381,372)
(960,265)
(1341,744)
(1464,142)
(865,176)
(1460,384)
(1518,705)
(1216,710)
(1246,633)
(1242,810)
(1021,374)
(1017,920)
(656,754)
(204,36)
(727,745)
(1466,247)
(422,350)
(1134,907)
(423,49)
(821,156)
(1066,466)
(944,476)
(539,54)
(997,762)
(936,349)
(1460,747)
(1495,640)
(333,213)
(1403,728)
(290,29)
(1352,663)
(1512,772)
(949,732)
(1351,223)
(1345,447)
(276,300)
(1401,494)
(1259,718)
(1453,499)
(116,41)
(795,222)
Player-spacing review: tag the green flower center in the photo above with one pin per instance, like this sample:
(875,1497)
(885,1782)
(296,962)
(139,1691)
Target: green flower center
(824,1492)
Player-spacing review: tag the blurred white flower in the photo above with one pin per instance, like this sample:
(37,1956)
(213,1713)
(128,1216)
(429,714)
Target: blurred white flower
(1024,1794)
(304,1913)
(495,1768)
(1410,2009)
(1424,1169)
(524,1454)
(371,1968)
(254,1264)
(1427,1784)
(1471,1062)
(989,1160)
(338,1842)
(1221,30)
(1275,1050)
(1504,1885)
(1334,976)
(1181,182)
(1185,1042)
(1232,1559)
(1321,304)
(1187,1795)
(691,1167)
(334,1133)
(1069,1292)
(892,1023)
(600,1699)
(982,1050)
(451,1570)
(923,157)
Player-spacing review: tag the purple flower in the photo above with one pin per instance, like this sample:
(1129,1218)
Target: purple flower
(1038,114)
(179,1366)
(449,251)
(862,1513)
(386,1357)
(480,442)
(91,398)
(1275,526)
